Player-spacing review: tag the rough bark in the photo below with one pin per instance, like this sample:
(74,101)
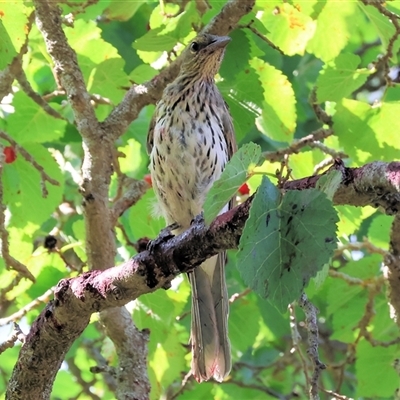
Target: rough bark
(63,320)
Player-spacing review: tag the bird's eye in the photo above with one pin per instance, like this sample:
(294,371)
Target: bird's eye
(194,47)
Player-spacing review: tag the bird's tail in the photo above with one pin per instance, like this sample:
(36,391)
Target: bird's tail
(211,350)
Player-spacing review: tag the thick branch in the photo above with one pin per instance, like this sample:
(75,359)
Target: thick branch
(97,167)
(48,19)
(63,320)
(376,184)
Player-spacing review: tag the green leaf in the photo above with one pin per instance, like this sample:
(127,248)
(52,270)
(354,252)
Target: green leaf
(277,324)
(233,65)
(143,73)
(375,373)
(368,133)
(122,10)
(289,28)
(229,391)
(334,29)
(85,39)
(236,172)
(383,26)
(285,242)
(140,218)
(108,79)
(329,183)
(13,21)
(243,312)
(156,312)
(65,383)
(31,123)
(243,117)
(345,310)
(7,50)
(278,120)
(379,231)
(154,41)
(134,160)
(340,78)
(29,204)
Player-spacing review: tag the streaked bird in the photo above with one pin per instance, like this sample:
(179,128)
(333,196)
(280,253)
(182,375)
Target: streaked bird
(190,140)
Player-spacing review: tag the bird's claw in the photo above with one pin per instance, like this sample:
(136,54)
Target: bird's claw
(198,219)
(163,236)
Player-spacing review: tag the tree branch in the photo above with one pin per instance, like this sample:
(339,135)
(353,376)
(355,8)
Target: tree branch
(98,142)
(64,319)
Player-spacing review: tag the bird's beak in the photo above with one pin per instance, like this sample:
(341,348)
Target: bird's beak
(220,42)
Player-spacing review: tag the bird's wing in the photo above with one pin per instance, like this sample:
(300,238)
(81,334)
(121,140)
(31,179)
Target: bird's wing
(229,132)
(150,133)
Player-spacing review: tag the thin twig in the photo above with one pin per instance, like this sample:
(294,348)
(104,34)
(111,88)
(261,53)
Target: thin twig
(296,338)
(360,246)
(15,335)
(325,149)
(394,19)
(39,100)
(260,35)
(44,298)
(237,296)
(319,112)
(297,145)
(312,328)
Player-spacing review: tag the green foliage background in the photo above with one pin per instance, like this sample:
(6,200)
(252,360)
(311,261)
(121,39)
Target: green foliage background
(333,45)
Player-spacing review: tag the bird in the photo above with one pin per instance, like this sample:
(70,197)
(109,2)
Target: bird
(190,140)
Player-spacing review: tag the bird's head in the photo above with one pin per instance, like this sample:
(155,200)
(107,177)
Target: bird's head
(203,56)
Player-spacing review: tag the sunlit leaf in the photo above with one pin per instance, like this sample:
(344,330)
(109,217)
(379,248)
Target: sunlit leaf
(340,78)
(234,175)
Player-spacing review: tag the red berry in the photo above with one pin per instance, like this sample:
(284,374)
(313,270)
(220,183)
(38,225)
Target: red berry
(244,189)
(10,154)
(147,178)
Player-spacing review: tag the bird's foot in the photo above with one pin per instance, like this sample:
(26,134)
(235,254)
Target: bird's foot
(198,219)
(163,236)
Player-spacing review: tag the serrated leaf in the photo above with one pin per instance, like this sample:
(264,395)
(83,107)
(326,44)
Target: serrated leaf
(289,28)
(29,204)
(375,373)
(278,119)
(234,175)
(286,241)
(108,79)
(334,29)
(368,133)
(383,26)
(232,65)
(30,122)
(13,20)
(85,38)
(154,41)
(340,78)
